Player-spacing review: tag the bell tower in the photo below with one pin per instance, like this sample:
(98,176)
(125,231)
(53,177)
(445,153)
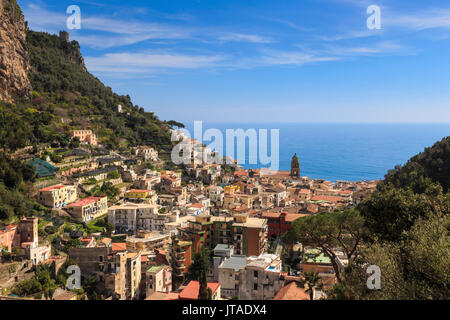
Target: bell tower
(295,167)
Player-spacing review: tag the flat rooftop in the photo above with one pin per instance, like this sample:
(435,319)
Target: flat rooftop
(235,262)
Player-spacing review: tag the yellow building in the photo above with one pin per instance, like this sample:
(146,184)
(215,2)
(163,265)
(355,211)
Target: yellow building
(148,196)
(231,188)
(57,196)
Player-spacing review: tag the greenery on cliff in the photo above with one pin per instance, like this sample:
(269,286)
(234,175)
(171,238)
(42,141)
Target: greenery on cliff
(403,227)
(66,97)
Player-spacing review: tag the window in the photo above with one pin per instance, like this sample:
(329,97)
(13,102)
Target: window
(255,274)
(100,258)
(255,286)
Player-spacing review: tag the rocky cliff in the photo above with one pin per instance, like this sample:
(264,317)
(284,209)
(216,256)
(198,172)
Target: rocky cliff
(14,60)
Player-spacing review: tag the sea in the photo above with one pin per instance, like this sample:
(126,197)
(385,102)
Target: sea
(341,151)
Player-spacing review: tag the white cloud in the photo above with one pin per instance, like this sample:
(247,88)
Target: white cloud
(292,58)
(380,48)
(428,19)
(240,37)
(116,32)
(148,62)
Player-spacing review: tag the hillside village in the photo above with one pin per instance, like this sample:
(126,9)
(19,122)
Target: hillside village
(136,227)
(87,184)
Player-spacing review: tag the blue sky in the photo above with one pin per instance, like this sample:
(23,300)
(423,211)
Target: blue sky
(266,60)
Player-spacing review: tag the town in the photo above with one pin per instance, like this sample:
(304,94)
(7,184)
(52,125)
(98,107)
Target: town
(139,228)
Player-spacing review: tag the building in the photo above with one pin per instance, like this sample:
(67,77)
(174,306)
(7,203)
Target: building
(158,279)
(133,275)
(147,196)
(25,236)
(107,265)
(89,208)
(295,167)
(228,275)
(37,254)
(147,241)
(182,255)
(147,153)
(261,278)
(86,136)
(191,291)
(132,217)
(292,291)
(57,196)
(248,234)
(316,261)
(221,252)
(9,238)
(216,195)
(280,222)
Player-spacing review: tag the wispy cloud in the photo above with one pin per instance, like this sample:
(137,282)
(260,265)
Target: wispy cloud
(292,25)
(353,35)
(428,19)
(240,37)
(379,48)
(149,62)
(292,58)
(114,32)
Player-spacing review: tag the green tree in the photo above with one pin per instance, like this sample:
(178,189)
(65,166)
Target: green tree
(312,282)
(198,271)
(344,229)
(415,268)
(391,211)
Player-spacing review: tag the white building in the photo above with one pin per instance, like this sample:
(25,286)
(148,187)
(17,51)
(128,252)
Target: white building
(260,279)
(131,217)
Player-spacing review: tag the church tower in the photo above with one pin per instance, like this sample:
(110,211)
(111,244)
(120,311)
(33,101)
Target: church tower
(295,167)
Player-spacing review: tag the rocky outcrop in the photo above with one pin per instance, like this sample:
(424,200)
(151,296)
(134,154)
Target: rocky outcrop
(14,60)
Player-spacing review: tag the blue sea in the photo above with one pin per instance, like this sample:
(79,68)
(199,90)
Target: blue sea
(343,151)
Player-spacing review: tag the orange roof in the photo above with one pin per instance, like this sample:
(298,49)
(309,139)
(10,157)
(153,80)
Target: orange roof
(291,291)
(137,190)
(144,258)
(273,215)
(192,289)
(196,205)
(241,173)
(305,191)
(85,202)
(120,246)
(52,188)
(294,216)
(163,296)
(326,198)
(105,241)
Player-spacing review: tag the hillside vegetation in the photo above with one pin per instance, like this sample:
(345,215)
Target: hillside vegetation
(65,97)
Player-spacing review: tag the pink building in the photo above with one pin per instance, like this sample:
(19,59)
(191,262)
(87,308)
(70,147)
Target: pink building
(87,136)
(9,238)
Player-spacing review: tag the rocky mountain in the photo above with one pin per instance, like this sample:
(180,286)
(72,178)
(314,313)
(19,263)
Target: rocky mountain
(14,59)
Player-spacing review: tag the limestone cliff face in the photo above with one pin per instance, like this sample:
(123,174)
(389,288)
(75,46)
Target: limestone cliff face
(14,60)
